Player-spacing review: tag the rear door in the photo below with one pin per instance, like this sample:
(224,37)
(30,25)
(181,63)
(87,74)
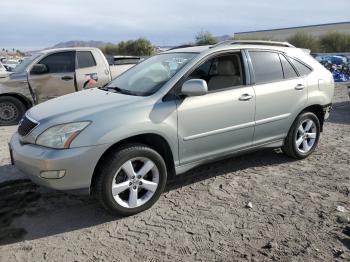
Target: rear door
(91,71)
(280,95)
(58,80)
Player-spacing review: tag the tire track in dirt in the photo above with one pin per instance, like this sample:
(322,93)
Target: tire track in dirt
(18,198)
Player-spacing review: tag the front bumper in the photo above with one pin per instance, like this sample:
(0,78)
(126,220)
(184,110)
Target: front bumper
(78,163)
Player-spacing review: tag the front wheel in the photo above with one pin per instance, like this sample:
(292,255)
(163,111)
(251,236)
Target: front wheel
(303,136)
(131,179)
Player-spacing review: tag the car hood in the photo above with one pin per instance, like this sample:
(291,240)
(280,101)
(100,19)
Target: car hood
(80,105)
(13,79)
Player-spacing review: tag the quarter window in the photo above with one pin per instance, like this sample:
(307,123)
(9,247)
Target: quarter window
(301,68)
(85,59)
(63,62)
(288,70)
(267,66)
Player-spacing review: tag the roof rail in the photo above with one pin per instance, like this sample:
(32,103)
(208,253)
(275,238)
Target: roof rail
(184,46)
(253,42)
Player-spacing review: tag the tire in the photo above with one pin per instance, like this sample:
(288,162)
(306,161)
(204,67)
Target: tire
(117,172)
(11,110)
(302,139)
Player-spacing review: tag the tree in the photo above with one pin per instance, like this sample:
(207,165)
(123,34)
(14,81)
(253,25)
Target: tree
(20,53)
(139,47)
(205,38)
(304,40)
(335,42)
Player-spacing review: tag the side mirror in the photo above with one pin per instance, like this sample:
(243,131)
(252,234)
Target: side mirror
(39,69)
(194,87)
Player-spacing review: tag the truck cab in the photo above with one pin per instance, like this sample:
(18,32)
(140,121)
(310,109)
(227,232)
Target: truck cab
(50,74)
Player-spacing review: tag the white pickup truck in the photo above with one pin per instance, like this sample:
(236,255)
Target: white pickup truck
(53,73)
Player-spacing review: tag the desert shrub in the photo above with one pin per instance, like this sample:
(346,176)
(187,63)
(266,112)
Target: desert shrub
(139,47)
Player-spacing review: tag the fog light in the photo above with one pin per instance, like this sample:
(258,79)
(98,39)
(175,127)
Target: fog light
(53,174)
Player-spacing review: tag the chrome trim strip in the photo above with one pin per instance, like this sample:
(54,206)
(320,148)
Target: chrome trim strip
(271,119)
(219,131)
(31,119)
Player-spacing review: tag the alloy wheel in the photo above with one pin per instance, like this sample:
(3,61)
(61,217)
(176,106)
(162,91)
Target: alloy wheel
(306,136)
(135,182)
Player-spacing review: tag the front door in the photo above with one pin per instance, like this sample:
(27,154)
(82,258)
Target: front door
(59,78)
(220,121)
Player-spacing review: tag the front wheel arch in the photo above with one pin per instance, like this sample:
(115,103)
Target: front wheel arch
(151,182)
(154,141)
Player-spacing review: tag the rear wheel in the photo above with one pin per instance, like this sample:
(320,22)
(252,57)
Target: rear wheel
(11,110)
(131,179)
(303,136)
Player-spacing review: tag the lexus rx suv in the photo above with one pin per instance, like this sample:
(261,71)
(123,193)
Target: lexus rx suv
(170,113)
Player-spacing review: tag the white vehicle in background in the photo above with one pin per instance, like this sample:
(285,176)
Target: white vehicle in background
(11,64)
(3,71)
(119,64)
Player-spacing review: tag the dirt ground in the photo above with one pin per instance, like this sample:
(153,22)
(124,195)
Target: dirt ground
(202,216)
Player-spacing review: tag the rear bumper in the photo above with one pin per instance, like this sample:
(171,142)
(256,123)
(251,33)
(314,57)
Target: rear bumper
(78,164)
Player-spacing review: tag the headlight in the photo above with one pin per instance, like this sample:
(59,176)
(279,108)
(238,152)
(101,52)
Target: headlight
(61,136)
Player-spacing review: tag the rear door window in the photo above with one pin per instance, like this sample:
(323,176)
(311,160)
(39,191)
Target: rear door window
(63,62)
(85,59)
(267,66)
(288,70)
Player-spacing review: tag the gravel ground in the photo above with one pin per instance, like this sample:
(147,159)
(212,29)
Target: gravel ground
(201,216)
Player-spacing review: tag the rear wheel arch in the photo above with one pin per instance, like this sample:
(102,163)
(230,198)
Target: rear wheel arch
(318,111)
(303,135)
(154,141)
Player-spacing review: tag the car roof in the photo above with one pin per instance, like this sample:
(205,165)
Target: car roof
(68,49)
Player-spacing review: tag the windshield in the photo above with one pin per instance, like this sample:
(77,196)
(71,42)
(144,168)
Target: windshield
(150,75)
(20,68)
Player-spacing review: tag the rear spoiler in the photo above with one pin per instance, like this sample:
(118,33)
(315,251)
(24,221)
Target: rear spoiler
(305,50)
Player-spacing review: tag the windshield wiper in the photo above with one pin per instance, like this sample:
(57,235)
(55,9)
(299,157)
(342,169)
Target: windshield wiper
(119,90)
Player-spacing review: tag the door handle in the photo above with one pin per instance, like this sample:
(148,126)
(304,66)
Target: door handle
(67,78)
(299,87)
(245,97)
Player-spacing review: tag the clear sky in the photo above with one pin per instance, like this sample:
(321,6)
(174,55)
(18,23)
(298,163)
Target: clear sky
(34,24)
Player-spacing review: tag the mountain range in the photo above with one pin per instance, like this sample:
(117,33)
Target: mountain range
(92,43)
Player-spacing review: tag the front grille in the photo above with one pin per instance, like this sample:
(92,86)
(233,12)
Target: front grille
(25,126)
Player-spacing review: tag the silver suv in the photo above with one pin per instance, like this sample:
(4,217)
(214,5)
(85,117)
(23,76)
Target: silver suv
(170,113)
